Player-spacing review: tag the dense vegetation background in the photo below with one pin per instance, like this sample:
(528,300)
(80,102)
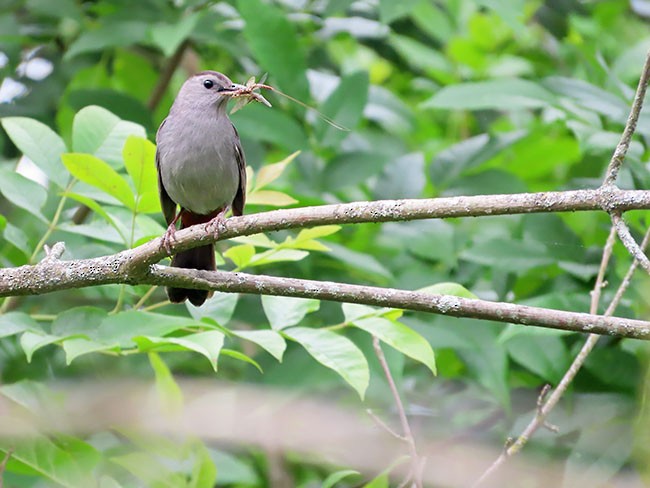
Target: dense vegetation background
(458,97)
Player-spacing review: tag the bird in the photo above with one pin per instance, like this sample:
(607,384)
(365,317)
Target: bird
(201,169)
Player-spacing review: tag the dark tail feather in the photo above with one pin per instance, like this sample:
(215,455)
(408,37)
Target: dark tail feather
(197,258)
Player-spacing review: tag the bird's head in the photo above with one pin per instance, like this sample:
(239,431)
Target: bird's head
(207,89)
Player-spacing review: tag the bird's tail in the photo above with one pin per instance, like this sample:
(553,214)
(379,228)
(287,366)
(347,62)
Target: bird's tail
(197,258)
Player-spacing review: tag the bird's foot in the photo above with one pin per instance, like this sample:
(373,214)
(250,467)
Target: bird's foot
(168,238)
(219,220)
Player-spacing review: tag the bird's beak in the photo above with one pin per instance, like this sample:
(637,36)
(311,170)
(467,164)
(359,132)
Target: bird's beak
(232,89)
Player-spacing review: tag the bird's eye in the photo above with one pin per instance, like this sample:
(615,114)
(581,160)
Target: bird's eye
(208,84)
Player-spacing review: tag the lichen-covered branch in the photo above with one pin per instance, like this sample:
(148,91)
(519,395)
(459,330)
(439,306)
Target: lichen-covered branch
(135,266)
(409,300)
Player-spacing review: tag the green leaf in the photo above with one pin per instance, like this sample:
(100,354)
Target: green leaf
(400,337)
(122,327)
(78,320)
(99,210)
(233,471)
(109,35)
(99,132)
(545,355)
(240,255)
(390,10)
(423,57)
(508,255)
(260,123)
(381,481)
(31,395)
(13,323)
(169,36)
(335,352)
(452,162)
(271,172)
(140,161)
(358,260)
(276,256)
(306,238)
(337,476)
(499,94)
(402,178)
(95,172)
(40,144)
(204,471)
(354,311)
(170,394)
(283,57)
(32,342)
(208,344)
(448,288)
(270,197)
(17,237)
(78,346)
(589,96)
(242,357)
(345,107)
(352,168)
(218,308)
(316,232)
(269,340)
(71,463)
(23,192)
(284,312)
(154,471)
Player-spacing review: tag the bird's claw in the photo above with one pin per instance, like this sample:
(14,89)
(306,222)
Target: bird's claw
(213,225)
(168,238)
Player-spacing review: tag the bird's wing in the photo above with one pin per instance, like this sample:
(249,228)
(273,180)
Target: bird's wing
(240,198)
(167,204)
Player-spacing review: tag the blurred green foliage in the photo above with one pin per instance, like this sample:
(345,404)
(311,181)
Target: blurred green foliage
(454,97)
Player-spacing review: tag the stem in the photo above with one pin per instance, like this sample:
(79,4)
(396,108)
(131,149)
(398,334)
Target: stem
(55,221)
(417,464)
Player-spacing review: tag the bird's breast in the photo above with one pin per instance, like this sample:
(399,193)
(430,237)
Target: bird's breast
(198,164)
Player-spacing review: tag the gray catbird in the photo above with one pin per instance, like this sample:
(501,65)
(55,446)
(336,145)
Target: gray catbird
(201,168)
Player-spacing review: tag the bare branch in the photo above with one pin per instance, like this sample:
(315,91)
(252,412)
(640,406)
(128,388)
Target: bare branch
(409,300)
(610,199)
(384,425)
(623,232)
(628,241)
(630,126)
(59,275)
(543,411)
(417,463)
(166,75)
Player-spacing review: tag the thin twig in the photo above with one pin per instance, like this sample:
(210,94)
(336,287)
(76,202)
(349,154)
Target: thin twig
(618,296)
(546,406)
(3,465)
(630,127)
(384,425)
(592,339)
(166,76)
(619,228)
(628,241)
(416,461)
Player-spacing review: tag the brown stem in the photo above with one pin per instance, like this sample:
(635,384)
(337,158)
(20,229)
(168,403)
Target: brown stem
(630,127)
(166,76)
(417,464)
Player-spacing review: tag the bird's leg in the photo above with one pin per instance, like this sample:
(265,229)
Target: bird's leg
(170,234)
(217,221)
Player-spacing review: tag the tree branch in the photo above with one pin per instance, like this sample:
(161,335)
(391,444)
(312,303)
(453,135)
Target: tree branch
(609,199)
(618,227)
(628,241)
(630,126)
